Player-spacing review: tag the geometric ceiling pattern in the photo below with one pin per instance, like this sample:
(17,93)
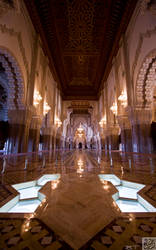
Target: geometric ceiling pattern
(80,38)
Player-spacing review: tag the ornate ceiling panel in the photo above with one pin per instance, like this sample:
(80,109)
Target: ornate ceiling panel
(80,38)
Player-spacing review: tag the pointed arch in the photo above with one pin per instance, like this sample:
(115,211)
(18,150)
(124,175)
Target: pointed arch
(146,81)
(14,85)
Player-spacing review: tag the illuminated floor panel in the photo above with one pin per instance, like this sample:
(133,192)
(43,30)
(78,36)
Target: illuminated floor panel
(26,193)
(28,206)
(129,206)
(128,190)
(29,198)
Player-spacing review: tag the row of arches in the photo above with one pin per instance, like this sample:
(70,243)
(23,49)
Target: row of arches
(13,97)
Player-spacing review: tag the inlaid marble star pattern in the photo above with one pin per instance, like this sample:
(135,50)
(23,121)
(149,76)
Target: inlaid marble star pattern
(79,213)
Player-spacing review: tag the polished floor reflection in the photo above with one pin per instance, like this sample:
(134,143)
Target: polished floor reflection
(79,211)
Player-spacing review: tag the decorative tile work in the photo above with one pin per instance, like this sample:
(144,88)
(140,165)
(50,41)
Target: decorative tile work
(4,193)
(151,193)
(28,234)
(122,233)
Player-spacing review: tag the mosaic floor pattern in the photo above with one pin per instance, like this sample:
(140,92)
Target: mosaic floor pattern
(75,213)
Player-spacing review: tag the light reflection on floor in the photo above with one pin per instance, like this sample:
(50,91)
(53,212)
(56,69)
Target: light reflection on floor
(85,204)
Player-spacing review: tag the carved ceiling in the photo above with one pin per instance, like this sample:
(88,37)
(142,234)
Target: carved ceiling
(80,38)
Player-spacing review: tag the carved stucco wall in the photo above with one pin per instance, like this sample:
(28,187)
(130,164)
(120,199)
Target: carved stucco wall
(141,39)
(18,36)
(16,33)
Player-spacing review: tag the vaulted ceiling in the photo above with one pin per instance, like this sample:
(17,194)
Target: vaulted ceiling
(80,38)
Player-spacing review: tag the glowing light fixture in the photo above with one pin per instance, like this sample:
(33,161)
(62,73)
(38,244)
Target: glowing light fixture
(102,122)
(46,108)
(123,99)
(58,123)
(80,131)
(37,97)
(114,108)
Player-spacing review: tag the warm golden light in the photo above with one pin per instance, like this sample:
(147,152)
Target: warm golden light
(114,108)
(102,122)
(123,99)
(80,166)
(37,97)
(80,129)
(54,184)
(58,123)
(106,187)
(46,108)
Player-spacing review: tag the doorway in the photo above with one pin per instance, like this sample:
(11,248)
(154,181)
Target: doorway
(80,145)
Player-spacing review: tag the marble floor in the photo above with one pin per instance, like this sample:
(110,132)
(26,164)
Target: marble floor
(79,211)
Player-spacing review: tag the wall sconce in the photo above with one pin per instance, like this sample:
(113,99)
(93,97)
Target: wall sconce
(46,108)
(102,122)
(114,108)
(58,123)
(37,97)
(123,99)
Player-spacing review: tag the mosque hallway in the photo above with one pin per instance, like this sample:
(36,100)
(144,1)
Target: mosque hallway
(78,211)
(77,124)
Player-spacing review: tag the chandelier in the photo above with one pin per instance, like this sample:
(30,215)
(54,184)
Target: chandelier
(37,98)
(123,99)
(114,108)
(102,122)
(46,108)
(58,123)
(80,131)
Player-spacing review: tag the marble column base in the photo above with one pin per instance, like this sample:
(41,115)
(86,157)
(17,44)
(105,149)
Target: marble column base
(33,142)
(142,141)
(46,142)
(126,140)
(114,142)
(18,138)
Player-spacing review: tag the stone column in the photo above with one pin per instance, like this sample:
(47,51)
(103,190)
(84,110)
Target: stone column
(126,133)
(47,138)
(19,123)
(103,135)
(141,130)
(34,134)
(113,138)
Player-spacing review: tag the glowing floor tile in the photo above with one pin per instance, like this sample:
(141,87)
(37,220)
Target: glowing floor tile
(127,192)
(31,192)
(27,206)
(28,190)
(129,206)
